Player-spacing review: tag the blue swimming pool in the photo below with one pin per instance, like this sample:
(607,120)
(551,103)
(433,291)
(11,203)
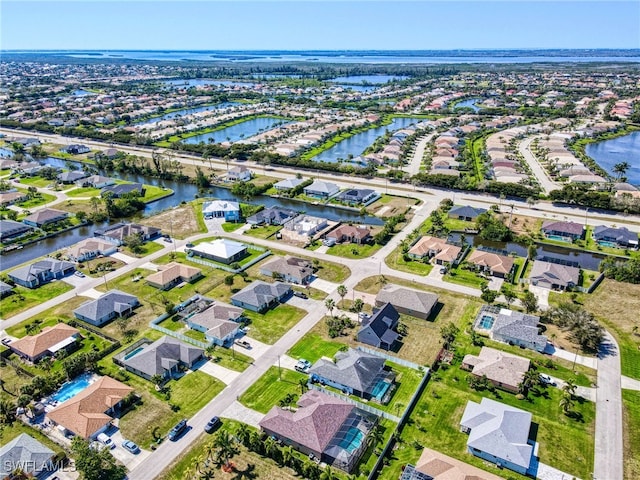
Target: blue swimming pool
(558,238)
(486,322)
(72,388)
(380,389)
(133,353)
(352,439)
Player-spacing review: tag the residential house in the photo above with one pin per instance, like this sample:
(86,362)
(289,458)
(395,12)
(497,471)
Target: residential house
(491,263)
(170,275)
(71,176)
(289,269)
(358,234)
(164,357)
(260,296)
(26,455)
(219,322)
(504,370)
(379,329)
(239,174)
(121,189)
(436,248)
(41,272)
(29,168)
(118,232)
(499,434)
(303,228)
(358,196)
(620,237)
(46,216)
(9,198)
(272,216)
(5,289)
(321,189)
(109,153)
(508,326)
(228,210)
(354,373)
(95,181)
(46,343)
(407,301)
(221,250)
(288,184)
(433,465)
(112,304)
(91,411)
(76,149)
(322,426)
(564,231)
(10,230)
(553,275)
(465,212)
(90,248)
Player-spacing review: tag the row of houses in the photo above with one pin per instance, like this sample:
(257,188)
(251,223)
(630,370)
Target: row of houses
(11,230)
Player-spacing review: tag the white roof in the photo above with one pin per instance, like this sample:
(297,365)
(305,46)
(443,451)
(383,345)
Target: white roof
(221,248)
(220,206)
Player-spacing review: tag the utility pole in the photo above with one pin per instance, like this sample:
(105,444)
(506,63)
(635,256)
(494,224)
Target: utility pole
(279,369)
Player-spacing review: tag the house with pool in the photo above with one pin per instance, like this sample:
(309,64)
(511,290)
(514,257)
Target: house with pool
(46,343)
(325,427)
(508,326)
(355,373)
(563,231)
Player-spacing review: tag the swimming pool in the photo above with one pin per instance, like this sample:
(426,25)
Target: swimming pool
(605,243)
(558,238)
(72,388)
(134,352)
(352,439)
(379,389)
(486,322)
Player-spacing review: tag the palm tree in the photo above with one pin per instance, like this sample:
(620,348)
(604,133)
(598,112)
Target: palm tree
(226,448)
(328,474)
(330,303)
(566,403)
(287,455)
(569,388)
(530,380)
(303,383)
(342,291)
(374,436)
(621,169)
(243,434)
(7,412)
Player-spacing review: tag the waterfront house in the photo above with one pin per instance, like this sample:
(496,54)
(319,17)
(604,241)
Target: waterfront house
(5,289)
(435,248)
(553,275)
(46,343)
(71,176)
(433,465)
(619,237)
(113,304)
(121,189)
(26,455)
(226,209)
(118,232)
(29,168)
(239,174)
(221,250)
(289,269)
(90,248)
(504,370)
(563,231)
(354,373)
(41,272)
(91,411)
(219,322)
(95,181)
(407,301)
(321,189)
(9,198)
(358,196)
(288,184)
(303,228)
(491,263)
(260,296)
(499,434)
(508,326)
(10,230)
(379,329)
(272,216)
(46,216)
(170,275)
(465,212)
(76,149)
(358,234)
(164,357)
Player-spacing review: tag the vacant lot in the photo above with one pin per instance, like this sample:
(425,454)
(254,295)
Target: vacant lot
(49,317)
(389,205)
(24,298)
(181,220)
(272,387)
(274,323)
(313,347)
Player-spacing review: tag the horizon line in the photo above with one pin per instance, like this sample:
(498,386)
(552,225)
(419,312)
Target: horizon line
(513,49)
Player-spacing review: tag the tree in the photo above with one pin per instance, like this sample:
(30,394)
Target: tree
(620,169)
(375,436)
(287,455)
(303,383)
(95,464)
(7,412)
(566,403)
(570,387)
(509,294)
(448,333)
(226,448)
(488,295)
(342,291)
(530,302)
(330,303)
(243,434)
(228,280)
(134,242)
(530,380)
(81,216)
(358,305)
(328,474)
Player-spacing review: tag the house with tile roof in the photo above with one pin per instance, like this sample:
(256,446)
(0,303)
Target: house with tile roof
(491,263)
(91,411)
(46,343)
(41,272)
(504,370)
(163,357)
(499,434)
(435,248)
(9,198)
(46,216)
(260,296)
(171,274)
(554,275)
(407,301)
(508,326)
(564,231)
(113,304)
(90,248)
(27,455)
(221,250)
(379,329)
(289,269)
(357,234)
(433,465)
(220,322)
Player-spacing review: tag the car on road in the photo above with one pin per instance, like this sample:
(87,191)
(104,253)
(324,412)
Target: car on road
(243,344)
(303,365)
(547,380)
(212,425)
(79,274)
(178,430)
(189,245)
(130,446)
(300,295)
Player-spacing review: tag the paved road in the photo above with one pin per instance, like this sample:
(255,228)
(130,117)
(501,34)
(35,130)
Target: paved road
(608,452)
(416,160)
(538,170)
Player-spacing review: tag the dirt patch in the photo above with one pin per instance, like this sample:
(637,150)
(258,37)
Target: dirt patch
(183,220)
(389,206)
(521,224)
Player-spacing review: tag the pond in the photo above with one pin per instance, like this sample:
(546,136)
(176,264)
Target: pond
(359,88)
(198,82)
(245,129)
(376,79)
(82,93)
(469,103)
(186,111)
(617,150)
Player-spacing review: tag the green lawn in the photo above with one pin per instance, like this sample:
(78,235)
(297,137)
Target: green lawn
(37,200)
(270,326)
(84,192)
(313,347)
(24,298)
(152,193)
(270,388)
(146,249)
(352,250)
(464,277)
(631,408)
(231,226)
(264,231)
(396,261)
(38,182)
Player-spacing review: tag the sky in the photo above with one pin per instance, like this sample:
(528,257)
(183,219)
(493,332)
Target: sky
(315,24)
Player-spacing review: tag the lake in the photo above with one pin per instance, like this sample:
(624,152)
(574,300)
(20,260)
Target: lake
(186,111)
(375,79)
(468,103)
(198,82)
(617,150)
(360,141)
(245,129)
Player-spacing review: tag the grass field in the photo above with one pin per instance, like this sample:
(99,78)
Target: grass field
(231,226)
(271,387)
(264,231)
(270,326)
(631,408)
(390,205)
(38,182)
(352,250)
(37,200)
(313,347)
(396,261)
(464,277)
(146,249)
(24,298)
(83,192)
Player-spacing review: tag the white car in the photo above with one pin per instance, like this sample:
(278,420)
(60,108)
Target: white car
(104,439)
(546,379)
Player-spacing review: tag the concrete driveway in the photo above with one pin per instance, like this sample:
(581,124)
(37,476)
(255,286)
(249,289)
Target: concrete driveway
(324,285)
(257,348)
(542,294)
(127,458)
(76,281)
(127,258)
(221,373)
(237,411)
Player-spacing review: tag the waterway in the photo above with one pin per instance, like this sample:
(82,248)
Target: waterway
(359,88)
(375,79)
(82,93)
(360,141)
(239,131)
(199,82)
(187,111)
(468,103)
(617,150)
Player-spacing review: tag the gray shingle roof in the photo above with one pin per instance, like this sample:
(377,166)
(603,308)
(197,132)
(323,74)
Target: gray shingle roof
(29,273)
(296,267)
(163,354)
(46,215)
(112,301)
(289,183)
(24,452)
(9,228)
(71,176)
(382,323)
(406,298)
(570,228)
(509,323)
(352,368)
(622,234)
(554,273)
(275,215)
(466,211)
(261,293)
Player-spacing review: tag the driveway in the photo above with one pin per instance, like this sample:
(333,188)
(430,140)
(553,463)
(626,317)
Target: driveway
(223,374)
(237,411)
(587,393)
(127,458)
(324,285)
(590,362)
(91,293)
(76,281)
(542,294)
(546,472)
(257,348)
(127,258)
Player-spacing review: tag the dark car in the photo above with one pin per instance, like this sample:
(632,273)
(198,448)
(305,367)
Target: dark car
(212,425)
(178,430)
(300,295)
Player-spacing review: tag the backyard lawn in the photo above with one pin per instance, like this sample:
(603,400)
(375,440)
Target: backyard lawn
(631,407)
(352,250)
(264,231)
(313,347)
(270,326)
(231,226)
(24,298)
(271,387)
(396,261)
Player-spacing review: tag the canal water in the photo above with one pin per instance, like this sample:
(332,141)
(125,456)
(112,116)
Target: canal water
(375,79)
(187,111)
(360,141)
(198,82)
(468,103)
(618,150)
(239,131)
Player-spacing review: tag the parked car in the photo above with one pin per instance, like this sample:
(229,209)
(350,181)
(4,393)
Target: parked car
(132,447)
(104,439)
(168,239)
(189,245)
(329,242)
(6,341)
(243,344)
(178,430)
(303,365)
(546,379)
(300,295)
(444,270)
(212,425)
(79,274)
